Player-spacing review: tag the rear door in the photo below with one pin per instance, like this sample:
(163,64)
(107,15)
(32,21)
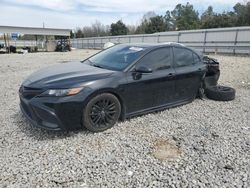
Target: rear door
(189,73)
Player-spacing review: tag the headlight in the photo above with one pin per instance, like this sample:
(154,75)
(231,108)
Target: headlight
(61,92)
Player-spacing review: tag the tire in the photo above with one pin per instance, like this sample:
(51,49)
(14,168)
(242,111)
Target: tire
(220,93)
(102,112)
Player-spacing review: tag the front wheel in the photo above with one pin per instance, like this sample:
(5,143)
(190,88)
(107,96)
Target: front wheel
(101,112)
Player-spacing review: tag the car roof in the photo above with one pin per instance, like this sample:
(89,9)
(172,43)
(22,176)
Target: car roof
(152,45)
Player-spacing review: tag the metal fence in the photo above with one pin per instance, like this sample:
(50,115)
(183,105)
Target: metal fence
(234,40)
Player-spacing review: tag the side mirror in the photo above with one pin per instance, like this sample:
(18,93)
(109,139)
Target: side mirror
(143,70)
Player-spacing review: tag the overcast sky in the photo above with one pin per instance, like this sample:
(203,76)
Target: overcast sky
(78,13)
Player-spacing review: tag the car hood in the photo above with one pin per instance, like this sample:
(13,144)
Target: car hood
(65,75)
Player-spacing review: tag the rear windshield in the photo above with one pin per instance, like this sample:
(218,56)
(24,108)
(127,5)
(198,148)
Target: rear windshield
(117,57)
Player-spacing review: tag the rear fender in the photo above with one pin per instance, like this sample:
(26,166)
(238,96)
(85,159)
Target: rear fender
(213,72)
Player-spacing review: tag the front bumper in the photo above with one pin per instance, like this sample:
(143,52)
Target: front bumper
(54,113)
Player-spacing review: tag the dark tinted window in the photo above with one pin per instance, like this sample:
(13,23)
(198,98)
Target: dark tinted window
(157,60)
(196,58)
(183,57)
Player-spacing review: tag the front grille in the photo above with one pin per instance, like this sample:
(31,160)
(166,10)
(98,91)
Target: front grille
(29,93)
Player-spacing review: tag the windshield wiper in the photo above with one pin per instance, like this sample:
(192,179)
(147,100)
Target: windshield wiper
(95,65)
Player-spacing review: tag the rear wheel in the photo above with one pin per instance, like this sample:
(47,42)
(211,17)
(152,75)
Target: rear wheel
(101,112)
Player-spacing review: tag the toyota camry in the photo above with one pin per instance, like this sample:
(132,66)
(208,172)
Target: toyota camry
(120,82)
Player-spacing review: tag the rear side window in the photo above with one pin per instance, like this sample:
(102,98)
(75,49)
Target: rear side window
(196,58)
(183,57)
(158,59)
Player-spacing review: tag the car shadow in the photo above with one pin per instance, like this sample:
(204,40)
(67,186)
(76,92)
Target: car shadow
(42,134)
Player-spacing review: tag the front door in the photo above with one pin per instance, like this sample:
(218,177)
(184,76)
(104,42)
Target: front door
(148,90)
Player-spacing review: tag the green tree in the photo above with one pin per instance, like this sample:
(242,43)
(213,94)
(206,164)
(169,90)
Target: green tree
(79,33)
(118,28)
(141,29)
(71,34)
(131,29)
(226,19)
(243,14)
(208,19)
(184,17)
(169,21)
(155,24)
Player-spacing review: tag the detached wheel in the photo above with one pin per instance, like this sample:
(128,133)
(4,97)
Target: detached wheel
(101,112)
(220,93)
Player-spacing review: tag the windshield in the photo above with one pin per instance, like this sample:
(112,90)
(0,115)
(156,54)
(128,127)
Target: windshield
(117,57)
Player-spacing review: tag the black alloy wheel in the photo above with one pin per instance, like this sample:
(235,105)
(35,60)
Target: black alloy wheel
(101,112)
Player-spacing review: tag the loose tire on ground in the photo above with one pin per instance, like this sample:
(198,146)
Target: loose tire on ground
(101,112)
(220,93)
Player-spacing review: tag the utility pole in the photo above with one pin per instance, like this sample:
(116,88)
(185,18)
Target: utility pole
(5,41)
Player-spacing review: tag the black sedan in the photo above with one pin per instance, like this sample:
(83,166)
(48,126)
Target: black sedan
(117,83)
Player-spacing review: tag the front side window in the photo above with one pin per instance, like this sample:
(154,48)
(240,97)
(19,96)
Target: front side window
(183,57)
(158,59)
(116,58)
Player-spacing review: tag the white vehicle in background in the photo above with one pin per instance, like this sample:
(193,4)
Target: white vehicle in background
(108,45)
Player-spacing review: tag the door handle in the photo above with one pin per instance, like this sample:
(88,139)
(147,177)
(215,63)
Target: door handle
(199,69)
(170,74)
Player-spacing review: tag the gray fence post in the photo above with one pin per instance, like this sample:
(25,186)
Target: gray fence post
(178,39)
(204,42)
(235,40)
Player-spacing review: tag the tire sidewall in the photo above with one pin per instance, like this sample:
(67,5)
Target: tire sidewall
(87,122)
(218,94)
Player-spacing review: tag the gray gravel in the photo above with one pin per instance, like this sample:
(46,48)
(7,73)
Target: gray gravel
(205,143)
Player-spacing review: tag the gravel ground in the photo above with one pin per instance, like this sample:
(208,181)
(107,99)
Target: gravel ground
(205,143)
